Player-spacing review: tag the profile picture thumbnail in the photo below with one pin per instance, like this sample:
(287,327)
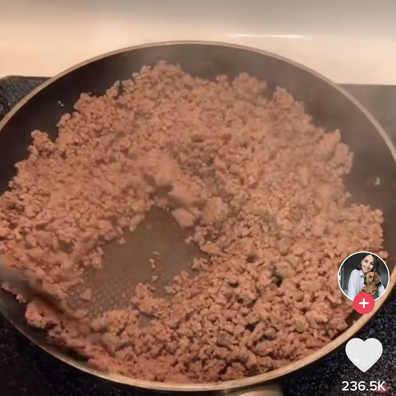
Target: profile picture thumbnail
(363,272)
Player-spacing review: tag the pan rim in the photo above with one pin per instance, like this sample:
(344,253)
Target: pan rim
(266,378)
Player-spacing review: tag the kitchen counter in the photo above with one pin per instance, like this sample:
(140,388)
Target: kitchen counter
(350,42)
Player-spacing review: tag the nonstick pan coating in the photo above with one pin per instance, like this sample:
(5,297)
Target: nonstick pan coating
(330,107)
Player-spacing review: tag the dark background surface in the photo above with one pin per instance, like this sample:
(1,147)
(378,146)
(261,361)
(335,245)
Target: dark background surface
(27,371)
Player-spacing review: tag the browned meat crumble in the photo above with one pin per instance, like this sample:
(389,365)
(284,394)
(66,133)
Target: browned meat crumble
(257,181)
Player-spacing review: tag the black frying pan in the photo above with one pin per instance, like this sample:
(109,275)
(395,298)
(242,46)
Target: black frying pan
(330,106)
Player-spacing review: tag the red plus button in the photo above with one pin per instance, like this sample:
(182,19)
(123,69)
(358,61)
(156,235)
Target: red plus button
(363,303)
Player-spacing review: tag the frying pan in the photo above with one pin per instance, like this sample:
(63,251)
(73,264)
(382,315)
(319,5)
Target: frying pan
(330,106)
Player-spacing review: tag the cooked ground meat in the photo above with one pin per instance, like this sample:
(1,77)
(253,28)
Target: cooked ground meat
(259,185)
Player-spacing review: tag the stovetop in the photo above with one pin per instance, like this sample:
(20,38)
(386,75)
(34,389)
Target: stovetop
(25,370)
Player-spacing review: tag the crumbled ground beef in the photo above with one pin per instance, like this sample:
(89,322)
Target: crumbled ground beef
(261,188)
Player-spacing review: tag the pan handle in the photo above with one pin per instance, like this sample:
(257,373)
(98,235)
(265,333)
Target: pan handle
(268,390)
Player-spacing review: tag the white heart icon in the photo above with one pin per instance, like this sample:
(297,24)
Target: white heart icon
(363,354)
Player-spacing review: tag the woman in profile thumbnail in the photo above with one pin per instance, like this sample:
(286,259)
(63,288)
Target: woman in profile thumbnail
(369,263)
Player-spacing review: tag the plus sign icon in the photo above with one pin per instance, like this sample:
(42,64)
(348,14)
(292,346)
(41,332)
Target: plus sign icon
(363,303)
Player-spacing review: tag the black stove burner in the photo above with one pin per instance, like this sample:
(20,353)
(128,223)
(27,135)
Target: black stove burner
(25,370)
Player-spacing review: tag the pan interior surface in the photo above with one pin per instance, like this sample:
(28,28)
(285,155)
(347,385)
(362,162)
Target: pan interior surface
(158,246)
